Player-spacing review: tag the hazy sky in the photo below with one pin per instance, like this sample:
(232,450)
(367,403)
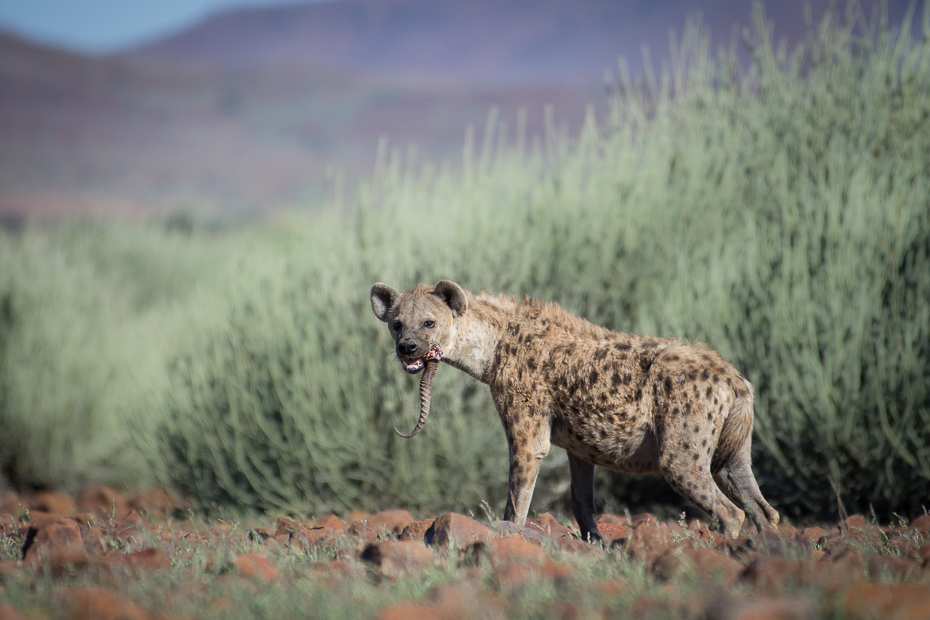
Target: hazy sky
(108,25)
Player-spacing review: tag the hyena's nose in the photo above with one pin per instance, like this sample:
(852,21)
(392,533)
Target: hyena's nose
(407,348)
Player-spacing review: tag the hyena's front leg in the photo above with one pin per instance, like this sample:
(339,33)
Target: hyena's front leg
(527,450)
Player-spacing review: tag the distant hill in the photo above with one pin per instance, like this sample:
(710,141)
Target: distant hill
(259,110)
(503,41)
(135,136)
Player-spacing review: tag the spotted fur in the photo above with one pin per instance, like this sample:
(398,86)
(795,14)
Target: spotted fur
(630,403)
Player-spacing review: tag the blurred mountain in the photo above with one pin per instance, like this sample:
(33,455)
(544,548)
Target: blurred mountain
(259,110)
(503,41)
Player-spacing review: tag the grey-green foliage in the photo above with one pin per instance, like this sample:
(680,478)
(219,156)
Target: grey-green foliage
(779,213)
(86,311)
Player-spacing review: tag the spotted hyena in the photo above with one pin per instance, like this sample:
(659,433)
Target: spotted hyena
(630,403)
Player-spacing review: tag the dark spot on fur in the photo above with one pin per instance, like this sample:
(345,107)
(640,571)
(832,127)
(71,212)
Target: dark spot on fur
(673,358)
(621,346)
(715,378)
(668,384)
(627,378)
(601,354)
(710,416)
(593,378)
(705,375)
(638,395)
(695,456)
(715,401)
(531,364)
(704,443)
(675,411)
(687,408)
(514,328)
(616,379)
(707,394)
(526,339)
(692,375)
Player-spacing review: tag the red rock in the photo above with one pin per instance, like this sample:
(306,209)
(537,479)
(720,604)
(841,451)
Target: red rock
(575,545)
(513,574)
(812,534)
(99,604)
(393,521)
(356,515)
(54,503)
(774,575)
(256,566)
(614,531)
(867,601)
(331,521)
(892,567)
(61,535)
(398,559)
(455,529)
(369,533)
(302,535)
(416,530)
(105,500)
(261,534)
(155,502)
(703,533)
(921,525)
(761,608)
(705,564)
(514,549)
(548,525)
(134,528)
(147,560)
(648,540)
(8,613)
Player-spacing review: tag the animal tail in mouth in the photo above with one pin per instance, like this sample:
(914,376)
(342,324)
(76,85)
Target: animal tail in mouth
(426,386)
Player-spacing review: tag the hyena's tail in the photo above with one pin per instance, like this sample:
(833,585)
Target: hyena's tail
(736,430)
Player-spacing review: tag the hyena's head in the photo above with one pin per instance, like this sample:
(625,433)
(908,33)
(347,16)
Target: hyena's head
(420,320)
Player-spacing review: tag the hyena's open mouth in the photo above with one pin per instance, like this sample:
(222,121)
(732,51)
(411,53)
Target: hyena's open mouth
(430,362)
(414,366)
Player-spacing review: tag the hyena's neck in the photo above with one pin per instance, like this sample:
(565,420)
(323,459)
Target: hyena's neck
(477,333)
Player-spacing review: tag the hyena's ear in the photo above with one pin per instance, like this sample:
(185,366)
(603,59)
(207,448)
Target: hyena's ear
(453,296)
(383,298)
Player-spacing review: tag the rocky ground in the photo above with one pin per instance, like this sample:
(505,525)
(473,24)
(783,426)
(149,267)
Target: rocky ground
(107,555)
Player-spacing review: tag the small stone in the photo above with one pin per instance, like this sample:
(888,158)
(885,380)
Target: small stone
(99,604)
(398,559)
(455,529)
(256,566)
(416,530)
(53,503)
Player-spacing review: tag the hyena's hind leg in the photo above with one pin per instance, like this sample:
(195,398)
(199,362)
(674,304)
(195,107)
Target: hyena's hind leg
(735,479)
(686,449)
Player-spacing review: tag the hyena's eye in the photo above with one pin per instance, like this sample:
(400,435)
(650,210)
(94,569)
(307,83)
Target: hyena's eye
(429,324)
(396,326)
